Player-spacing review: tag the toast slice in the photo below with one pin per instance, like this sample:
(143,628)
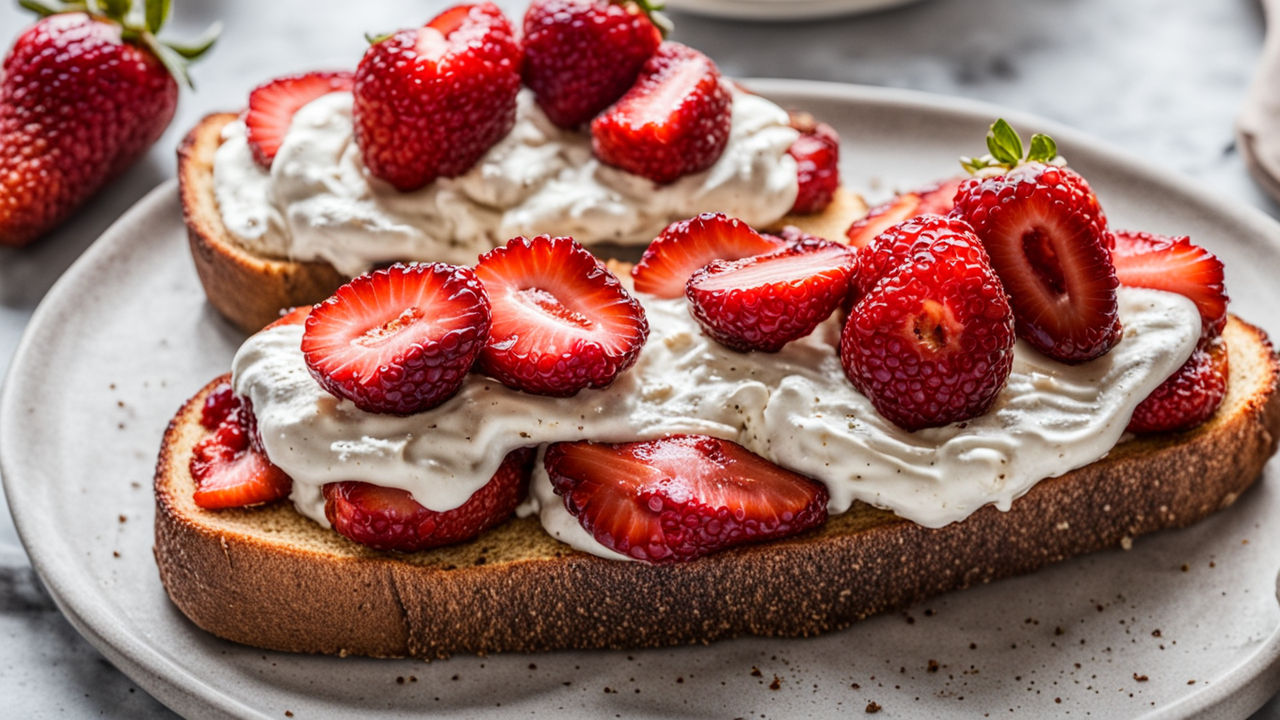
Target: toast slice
(250,289)
(271,578)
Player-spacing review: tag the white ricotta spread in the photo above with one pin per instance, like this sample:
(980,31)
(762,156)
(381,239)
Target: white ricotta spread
(794,407)
(318,202)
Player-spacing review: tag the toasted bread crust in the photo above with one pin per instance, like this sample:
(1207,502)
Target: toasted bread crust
(270,578)
(250,290)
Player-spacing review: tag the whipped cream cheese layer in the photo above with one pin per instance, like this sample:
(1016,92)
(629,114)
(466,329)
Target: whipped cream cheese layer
(794,407)
(318,201)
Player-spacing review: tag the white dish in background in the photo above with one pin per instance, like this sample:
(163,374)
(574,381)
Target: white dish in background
(781,9)
(126,336)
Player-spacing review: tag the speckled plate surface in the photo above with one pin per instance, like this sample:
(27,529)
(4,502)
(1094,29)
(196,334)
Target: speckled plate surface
(1183,623)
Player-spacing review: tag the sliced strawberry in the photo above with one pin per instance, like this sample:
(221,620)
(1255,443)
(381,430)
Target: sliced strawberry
(1047,239)
(272,105)
(937,198)
(561,320)
(400,339)
(1177,265)
(681,497)
(390,519)
(218,404)
(766,301)
(817,156)
(1190,396)
(672,122)
(228,467)
(687,245)
(296,316)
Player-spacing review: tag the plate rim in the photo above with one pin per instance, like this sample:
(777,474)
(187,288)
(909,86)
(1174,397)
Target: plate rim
(180,689)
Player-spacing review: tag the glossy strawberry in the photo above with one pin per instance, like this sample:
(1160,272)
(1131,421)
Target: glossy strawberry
(1174,264)
(390,519)
(294,316)
(764,302)
(79,103)
(895,247)
(937,199)
(1047,238)
(561,321)
(582,55)
(1190,396)
(817,156)
(431,102)
(400,339)
(681,497)
(687,245)
(672,122)
(272,105)
(228,465)
(932,342)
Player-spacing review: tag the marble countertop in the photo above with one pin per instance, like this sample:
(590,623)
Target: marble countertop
(1162,78)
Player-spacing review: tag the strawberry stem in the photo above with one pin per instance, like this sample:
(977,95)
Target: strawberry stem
(1005,151)
(656,16)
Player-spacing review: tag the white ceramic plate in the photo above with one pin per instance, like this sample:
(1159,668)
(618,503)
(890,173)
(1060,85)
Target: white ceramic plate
(781,9)
(125,336)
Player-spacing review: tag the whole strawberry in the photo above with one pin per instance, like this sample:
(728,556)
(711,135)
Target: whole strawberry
(431,101)
(581,55)
(83,95)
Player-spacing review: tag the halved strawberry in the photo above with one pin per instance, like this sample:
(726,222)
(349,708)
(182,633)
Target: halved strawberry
(937,198)
(681,497)
(817,156)
(686,245)
(1190,396)
(390,519)
(400,339)
(272,105)
(561,320)
(295,316)
(218,404)
(1177,265)
(673,121)
(228,467)
(766,301)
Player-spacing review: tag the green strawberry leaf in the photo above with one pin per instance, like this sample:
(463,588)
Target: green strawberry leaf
(375,38)
(199,46)
(171,60)
(654,8)
(41,8)
(1043,149)
(116,9)
(157,13)
(1004,143)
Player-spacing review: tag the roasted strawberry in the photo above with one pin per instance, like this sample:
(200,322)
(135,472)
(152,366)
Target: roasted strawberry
(672,122)
(764,302)
(582,55)
(932,342)
(817,156)
(937,199)
(227,465)
(687,245)
(400,339)
(681,497)
(431,102)
(1047,238)
(895,247)
(1177,265)
(1190,396)
(272,105)
(561,321)
(390,519)
(82,96)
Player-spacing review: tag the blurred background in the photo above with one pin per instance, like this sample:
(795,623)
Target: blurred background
(1163,79)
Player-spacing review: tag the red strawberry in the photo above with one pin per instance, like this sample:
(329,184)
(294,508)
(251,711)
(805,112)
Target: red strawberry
(766,301)
(561,320)
(672,122)
(272,105)
(390,519)
(1177,265)
(227,465)
(682,497)
(937,199)
(581,55)
(932,342)
(400,339)
(686,245)
(817,155)
(895,246)
(78,105)
(1190,396)
(296,316)
(431,102)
